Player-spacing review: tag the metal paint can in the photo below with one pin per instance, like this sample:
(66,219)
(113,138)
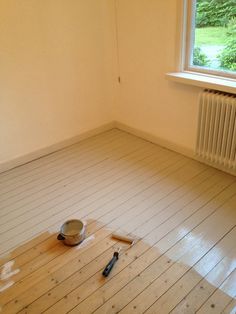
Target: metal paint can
(72,232)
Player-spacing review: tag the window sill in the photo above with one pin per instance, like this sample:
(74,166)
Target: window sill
(205,81)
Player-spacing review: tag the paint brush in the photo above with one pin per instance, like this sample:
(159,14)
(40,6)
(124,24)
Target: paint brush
(112,262)
(120,237)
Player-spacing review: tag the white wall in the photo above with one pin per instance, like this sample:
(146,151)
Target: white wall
(57,71)
(147,50)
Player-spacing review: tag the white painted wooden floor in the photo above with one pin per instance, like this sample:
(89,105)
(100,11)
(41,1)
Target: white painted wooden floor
(183,214)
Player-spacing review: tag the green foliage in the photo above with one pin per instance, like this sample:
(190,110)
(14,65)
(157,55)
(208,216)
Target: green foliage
(231,31)
(200,58)
(215,12)
(211,36)
(228,55)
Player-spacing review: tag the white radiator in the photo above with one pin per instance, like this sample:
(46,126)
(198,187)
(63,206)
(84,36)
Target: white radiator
(216,138)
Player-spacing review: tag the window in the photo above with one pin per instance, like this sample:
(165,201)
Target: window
(211,37)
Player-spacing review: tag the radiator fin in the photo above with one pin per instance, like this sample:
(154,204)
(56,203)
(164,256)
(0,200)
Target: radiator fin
(216,138)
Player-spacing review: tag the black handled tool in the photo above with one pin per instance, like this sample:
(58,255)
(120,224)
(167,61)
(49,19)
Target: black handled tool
(110,265)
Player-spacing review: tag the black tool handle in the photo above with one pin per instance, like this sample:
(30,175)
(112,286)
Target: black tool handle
(110,265)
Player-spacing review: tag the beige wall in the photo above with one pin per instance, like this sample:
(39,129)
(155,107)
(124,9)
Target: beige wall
(57,71)
(147,50)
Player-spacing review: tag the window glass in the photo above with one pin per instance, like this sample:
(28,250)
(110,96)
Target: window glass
(213,36)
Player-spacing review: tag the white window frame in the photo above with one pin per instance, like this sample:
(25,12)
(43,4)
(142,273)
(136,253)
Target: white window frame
(182,74)
(188,32)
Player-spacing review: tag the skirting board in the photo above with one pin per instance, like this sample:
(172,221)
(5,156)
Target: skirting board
(53,148)
(106,127)
(224,169)
(155,139)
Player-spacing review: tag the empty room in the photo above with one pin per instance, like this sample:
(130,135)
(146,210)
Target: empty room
(118,156)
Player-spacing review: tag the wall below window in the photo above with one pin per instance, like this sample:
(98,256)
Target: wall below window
(147,50)
(57,71)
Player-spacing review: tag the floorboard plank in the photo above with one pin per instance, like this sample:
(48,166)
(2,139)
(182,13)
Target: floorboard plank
(50,159)
(181,297)
(62,287)
(161,274)
(66,187)
(122,279)
(78,200)
(231,307)
(181,212)
(220,297)
(28,267)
